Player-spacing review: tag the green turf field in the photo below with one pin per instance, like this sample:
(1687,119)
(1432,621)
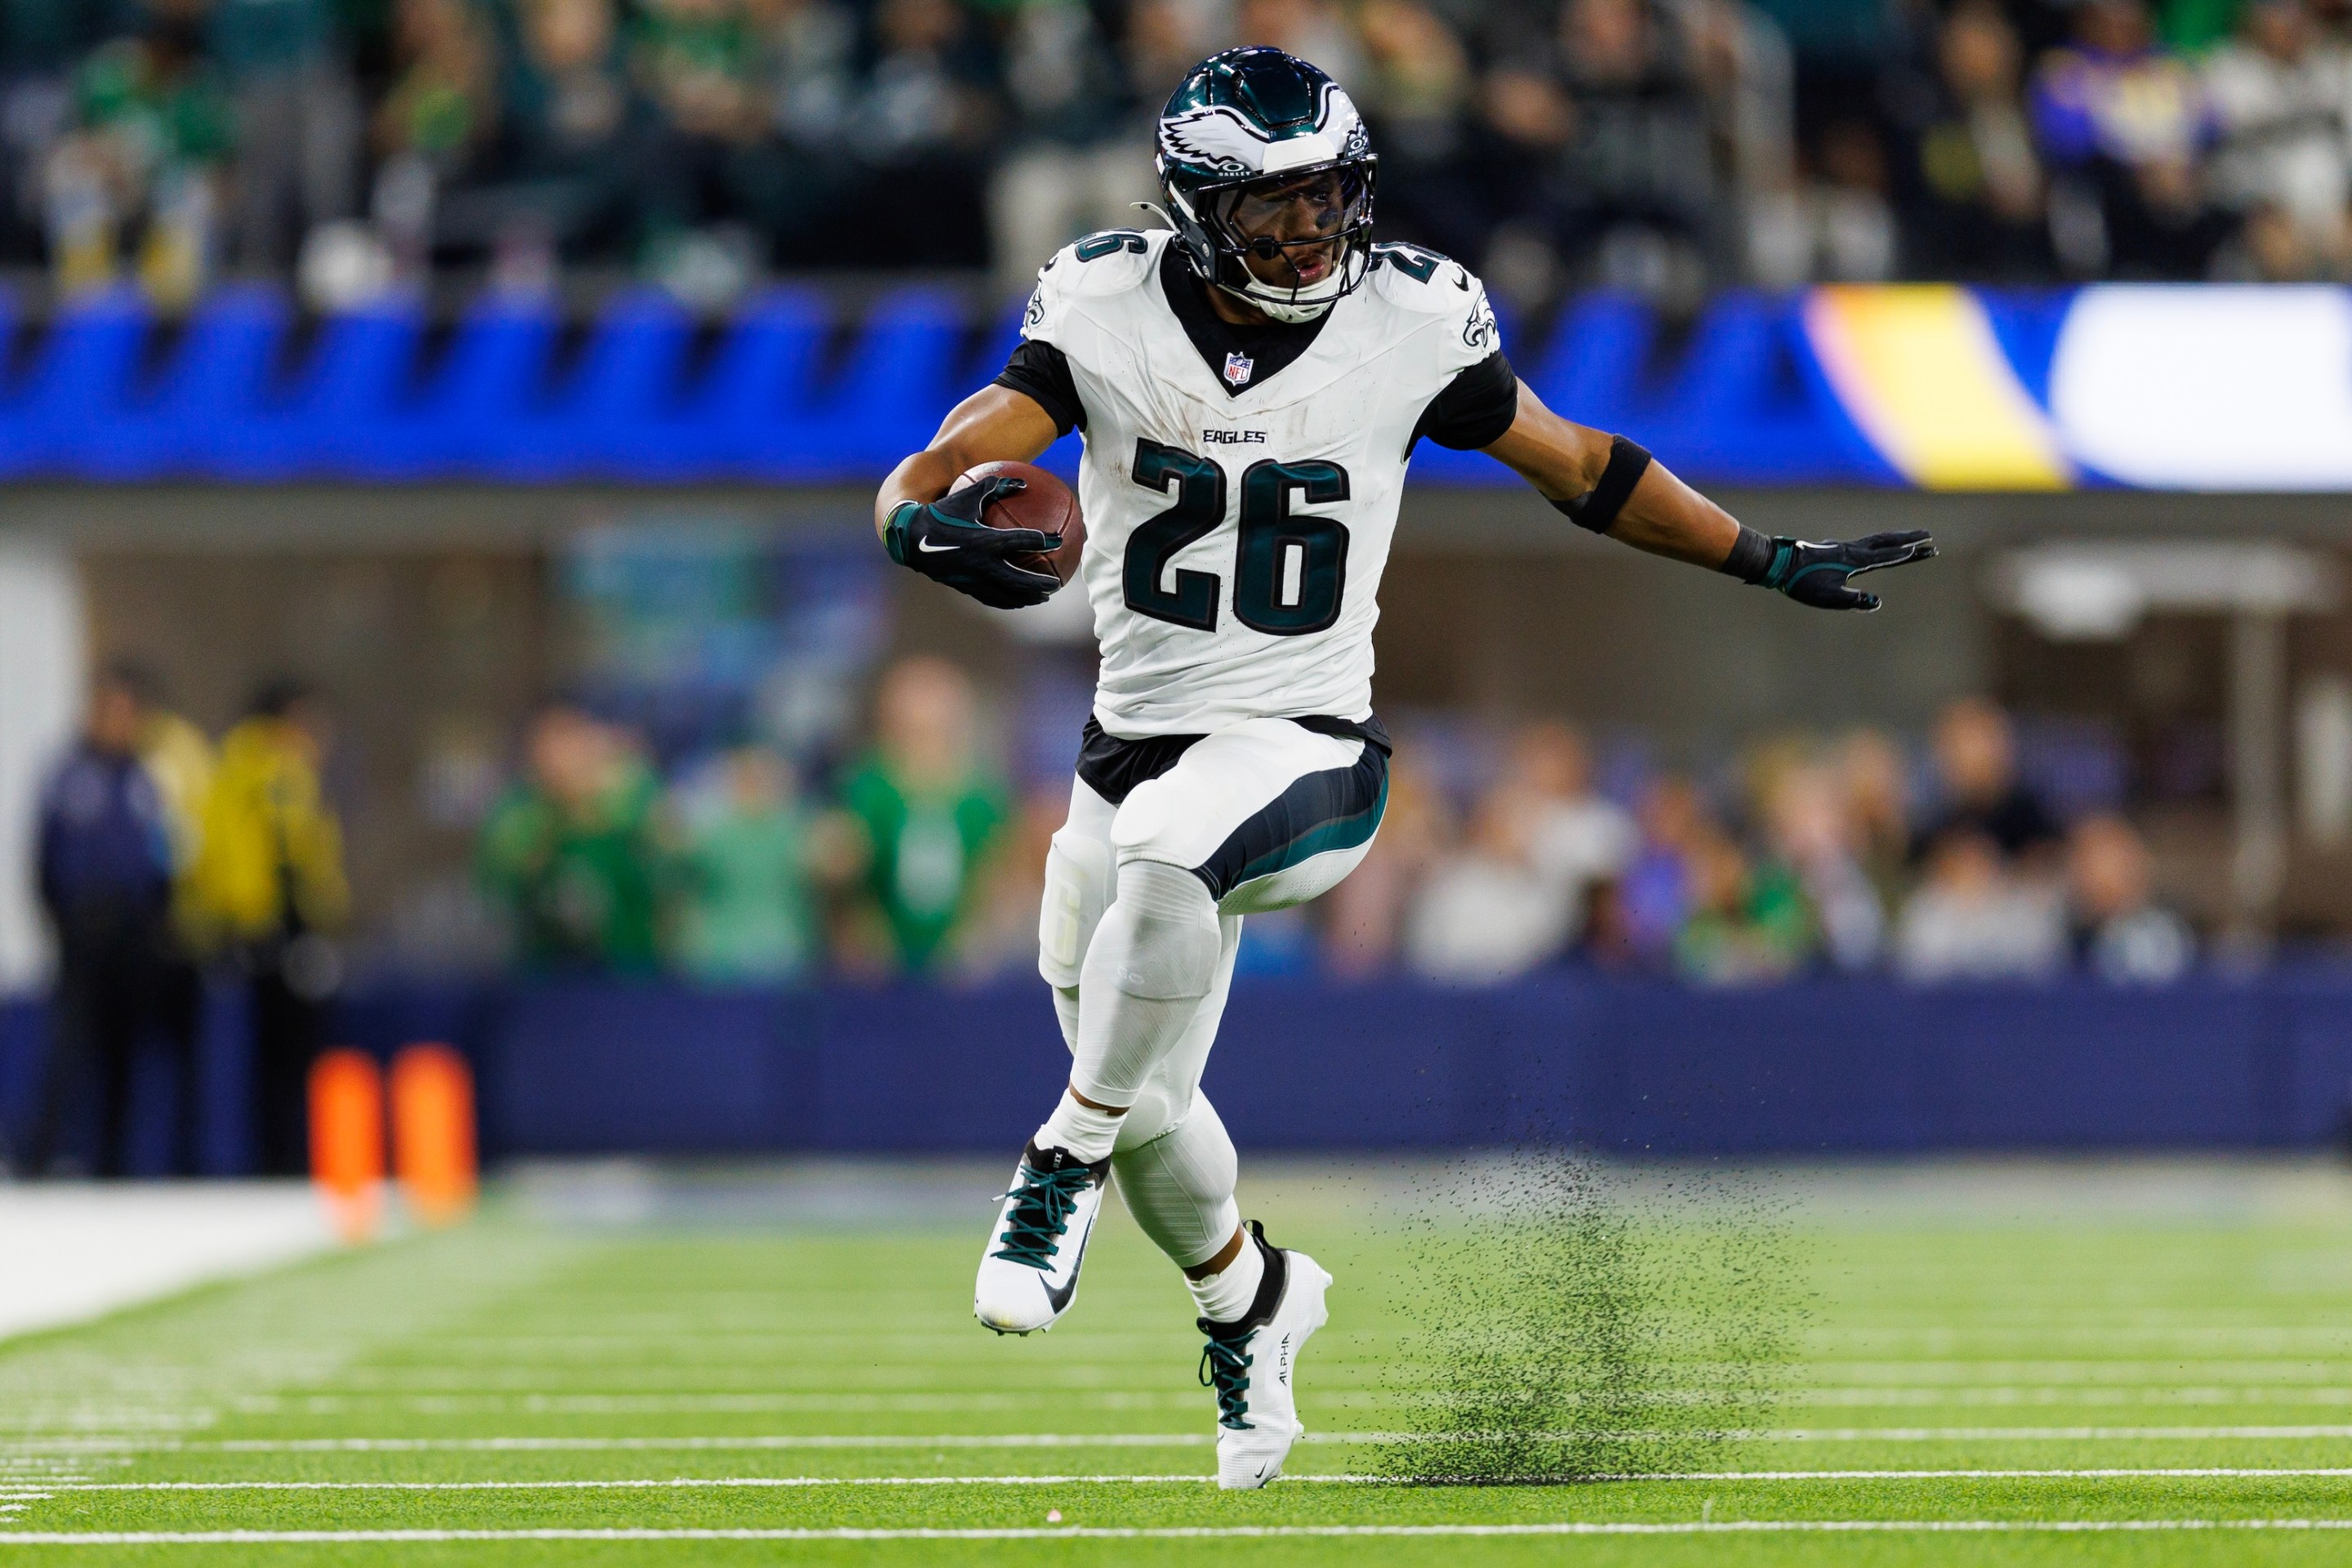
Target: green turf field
(2078,1365)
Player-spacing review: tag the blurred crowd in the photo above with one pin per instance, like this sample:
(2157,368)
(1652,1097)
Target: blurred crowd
(1822,856)
(733,871)
(1661,145)
(921,857)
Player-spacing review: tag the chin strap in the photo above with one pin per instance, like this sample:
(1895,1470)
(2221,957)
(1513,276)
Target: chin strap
(1288,313)
(1156,210)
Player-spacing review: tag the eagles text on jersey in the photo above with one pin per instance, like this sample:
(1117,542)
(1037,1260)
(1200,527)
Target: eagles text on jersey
(1240,484)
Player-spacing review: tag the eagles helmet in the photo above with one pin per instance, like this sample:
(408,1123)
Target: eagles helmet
(1255,120)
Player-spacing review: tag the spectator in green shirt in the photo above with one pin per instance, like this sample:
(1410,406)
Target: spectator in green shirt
(1747,923)
(151,135)
(744,914)
(930,813)
(571,850)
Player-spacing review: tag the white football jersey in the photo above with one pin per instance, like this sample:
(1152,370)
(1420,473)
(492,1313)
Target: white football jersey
(1237,522)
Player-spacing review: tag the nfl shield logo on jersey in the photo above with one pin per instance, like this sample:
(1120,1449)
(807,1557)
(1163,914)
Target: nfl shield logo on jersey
(1237,369)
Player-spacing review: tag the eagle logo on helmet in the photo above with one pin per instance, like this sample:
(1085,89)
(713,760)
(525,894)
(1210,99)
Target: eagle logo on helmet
(1221,139)
(1213,137)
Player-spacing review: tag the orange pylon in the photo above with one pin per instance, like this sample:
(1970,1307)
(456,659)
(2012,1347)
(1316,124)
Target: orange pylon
(347,1139)
(433,1132)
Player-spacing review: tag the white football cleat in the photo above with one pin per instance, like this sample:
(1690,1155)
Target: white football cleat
(1252,1364)
(1029,1273)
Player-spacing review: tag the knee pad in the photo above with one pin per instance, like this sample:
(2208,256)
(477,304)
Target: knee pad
(1160,939)
(1078,882)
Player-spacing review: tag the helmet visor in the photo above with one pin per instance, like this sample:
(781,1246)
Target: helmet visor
(1294,231)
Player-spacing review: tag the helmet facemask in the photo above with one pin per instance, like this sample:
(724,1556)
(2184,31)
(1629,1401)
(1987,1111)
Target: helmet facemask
(1291,244)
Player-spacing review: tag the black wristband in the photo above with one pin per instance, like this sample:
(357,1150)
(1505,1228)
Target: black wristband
(1751,557)
(1597,508)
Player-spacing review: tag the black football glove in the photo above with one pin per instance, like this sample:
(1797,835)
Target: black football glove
(946,542)
(1816,575)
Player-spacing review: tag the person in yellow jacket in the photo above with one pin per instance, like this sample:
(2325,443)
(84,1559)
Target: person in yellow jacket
(265,888)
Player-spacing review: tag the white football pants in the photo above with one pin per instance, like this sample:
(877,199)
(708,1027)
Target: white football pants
(1142,916)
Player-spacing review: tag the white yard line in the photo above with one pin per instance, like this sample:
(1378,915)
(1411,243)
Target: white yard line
(666,1442)
(1174,1533)
(2042,1433)
(671,1483)
(701,1483)
(785,1440)
(526,1402)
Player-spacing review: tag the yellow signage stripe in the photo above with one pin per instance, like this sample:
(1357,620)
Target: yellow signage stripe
(1918,369)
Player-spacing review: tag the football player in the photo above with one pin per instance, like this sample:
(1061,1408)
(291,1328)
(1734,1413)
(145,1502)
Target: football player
(1250,382)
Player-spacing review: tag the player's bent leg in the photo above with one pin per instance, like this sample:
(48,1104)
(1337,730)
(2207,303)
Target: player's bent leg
(1264,813)
(1252,1361)
(1179,1186)
(1007,1298)
(1028,1270)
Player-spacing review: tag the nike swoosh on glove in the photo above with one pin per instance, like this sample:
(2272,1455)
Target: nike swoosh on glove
(1816,575)
(946,542)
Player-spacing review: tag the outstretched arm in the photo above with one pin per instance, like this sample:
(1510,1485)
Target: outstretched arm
(940,535)
(1609,485)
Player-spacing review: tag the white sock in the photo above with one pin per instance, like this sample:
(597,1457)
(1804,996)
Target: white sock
(1225,1298)
(1081,1129)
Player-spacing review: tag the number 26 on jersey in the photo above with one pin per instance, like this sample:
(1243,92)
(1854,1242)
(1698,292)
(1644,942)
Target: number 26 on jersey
(1290,568)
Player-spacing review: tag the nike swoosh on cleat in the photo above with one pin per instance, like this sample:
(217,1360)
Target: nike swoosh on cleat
(1059,1299)
(928,548)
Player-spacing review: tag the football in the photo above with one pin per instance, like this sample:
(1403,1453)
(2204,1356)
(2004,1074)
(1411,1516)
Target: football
(1047,506)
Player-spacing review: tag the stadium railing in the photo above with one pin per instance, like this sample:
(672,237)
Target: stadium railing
(1930,386)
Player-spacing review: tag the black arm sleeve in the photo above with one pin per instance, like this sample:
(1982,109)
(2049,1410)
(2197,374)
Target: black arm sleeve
(1476,407)
(1040,371)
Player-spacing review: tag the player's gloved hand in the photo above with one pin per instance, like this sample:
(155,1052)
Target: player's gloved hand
(946,542)
(1816,575)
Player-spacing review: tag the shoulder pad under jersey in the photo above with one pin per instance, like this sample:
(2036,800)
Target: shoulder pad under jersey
(1426,283)
(1111,262)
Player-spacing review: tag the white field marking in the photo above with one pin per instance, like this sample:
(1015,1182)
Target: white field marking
(2288,1371)
(532,1443)
(2028,1394)
(912,1394)
(526,1401)
(787,1440)
(499,1350)
(693,1483)
(2330,1338)
(758,1404)
(2030,1435)
(676,1483)
(711,1403)
(1170,1532)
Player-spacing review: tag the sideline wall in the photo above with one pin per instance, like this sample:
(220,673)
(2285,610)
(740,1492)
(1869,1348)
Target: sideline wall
(1625,1068)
